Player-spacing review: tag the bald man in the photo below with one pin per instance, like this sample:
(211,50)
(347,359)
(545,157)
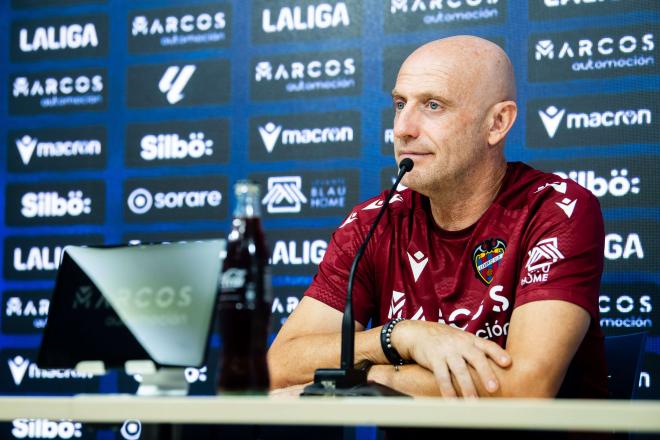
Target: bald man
(493,266)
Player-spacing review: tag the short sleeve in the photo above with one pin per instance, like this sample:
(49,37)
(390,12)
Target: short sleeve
(331,280)
(564,251)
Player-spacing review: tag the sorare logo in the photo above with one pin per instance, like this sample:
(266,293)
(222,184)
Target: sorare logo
(176,143)
(592,53)
(58,91)
(175,199)
(284,20)
(37,257)
(304,75)
(305,136)
(416,15)
(181,84)
(182,28)
(627,182)
(57,149)
(624,118)
(55,203)
(59,38)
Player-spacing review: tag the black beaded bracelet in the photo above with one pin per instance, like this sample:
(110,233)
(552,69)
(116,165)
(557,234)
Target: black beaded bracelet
(386,343)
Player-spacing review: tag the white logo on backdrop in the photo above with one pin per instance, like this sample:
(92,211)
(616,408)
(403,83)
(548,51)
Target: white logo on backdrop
(284,194)
(174,80)
(270,133)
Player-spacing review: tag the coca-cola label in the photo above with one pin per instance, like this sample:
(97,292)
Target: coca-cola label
(233,279)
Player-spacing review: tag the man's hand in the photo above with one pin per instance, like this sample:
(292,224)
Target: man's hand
(448,352)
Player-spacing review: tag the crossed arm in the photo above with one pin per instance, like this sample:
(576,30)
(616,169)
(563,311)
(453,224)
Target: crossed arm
(543,338)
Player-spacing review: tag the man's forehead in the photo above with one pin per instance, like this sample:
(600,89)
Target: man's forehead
(432,81)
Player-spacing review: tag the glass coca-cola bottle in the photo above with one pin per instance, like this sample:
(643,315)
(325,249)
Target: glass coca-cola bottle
(245,298)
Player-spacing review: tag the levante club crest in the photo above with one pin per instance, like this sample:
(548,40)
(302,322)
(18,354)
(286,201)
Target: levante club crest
(487,257)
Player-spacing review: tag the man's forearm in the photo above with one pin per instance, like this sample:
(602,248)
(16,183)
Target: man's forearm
(412,379)
(294,361)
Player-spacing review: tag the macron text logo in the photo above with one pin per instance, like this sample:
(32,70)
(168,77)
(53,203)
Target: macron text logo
(551,119)
(174,81)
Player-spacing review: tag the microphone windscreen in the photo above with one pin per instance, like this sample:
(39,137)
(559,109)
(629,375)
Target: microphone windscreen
(406,164)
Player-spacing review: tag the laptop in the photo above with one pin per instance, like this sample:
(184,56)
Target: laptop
(120,305)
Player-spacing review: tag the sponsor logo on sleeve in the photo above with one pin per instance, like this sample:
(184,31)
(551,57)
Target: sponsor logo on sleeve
(182,28)
(625,308)
(172,199)
(540,259)
(56,149)
(284,20)
(322,193)
(416,15)
(625,185)
(59,38)
(551,9)
(38,257)
(593,120)
(306,75)
(21,375)
(58,91)
(180,85)
(25,312)
(308,136)
(65,203)
(592,53)
(177,143)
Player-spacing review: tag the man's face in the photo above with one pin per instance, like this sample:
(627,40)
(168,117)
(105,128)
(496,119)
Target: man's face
(438,122)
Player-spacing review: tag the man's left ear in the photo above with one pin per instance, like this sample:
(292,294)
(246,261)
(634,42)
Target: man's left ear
(501,118)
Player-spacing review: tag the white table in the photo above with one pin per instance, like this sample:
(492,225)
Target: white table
(589,415)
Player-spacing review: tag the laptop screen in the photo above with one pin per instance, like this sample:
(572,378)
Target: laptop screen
(146,302)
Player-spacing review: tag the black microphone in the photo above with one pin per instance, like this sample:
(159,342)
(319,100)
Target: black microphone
(347,380)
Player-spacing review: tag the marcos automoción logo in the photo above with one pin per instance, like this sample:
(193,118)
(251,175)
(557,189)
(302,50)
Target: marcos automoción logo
(306,75)
(58,91)
(593,53)
(181,28)
(416,15)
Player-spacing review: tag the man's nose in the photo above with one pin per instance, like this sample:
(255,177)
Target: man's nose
(406,124)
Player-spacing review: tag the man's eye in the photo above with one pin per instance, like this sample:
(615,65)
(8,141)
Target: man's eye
(398,105)
(434,105)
